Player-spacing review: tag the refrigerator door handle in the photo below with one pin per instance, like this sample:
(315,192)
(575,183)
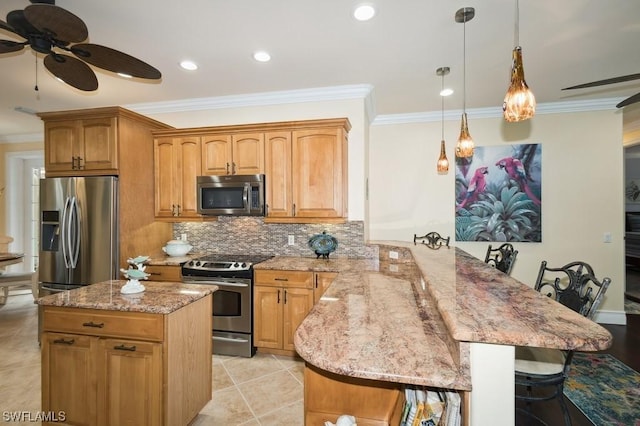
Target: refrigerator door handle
(74,232)
(66,241)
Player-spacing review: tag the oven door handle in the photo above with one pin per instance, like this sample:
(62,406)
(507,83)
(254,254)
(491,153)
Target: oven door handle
(219,283)
(230,339)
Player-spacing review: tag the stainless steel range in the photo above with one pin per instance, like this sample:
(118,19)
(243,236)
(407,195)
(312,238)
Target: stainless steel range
(232,303)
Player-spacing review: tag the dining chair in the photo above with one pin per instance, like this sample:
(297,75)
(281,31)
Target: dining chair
(501,258)
(15,279)
(540,373)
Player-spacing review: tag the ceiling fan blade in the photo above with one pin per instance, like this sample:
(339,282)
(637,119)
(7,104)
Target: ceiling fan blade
(72,71)
(630,100)
(7,46)
(605,82)
(7,27)
(115,61)
(54,20)
(18,24)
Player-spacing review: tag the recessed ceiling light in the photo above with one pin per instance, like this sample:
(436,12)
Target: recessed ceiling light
(189,65)
(262,56)
(446,92)
(364,12)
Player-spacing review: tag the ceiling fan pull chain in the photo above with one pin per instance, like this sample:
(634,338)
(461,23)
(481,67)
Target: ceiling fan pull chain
(36,87)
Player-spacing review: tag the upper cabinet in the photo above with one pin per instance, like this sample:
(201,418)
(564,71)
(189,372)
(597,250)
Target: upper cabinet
(305,164)
(177,164)
(233,154)
(81,147)
(306,171)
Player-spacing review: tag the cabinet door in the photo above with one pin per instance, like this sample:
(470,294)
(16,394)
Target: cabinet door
(297,304)
(189,167)
(216,155)
(165,155)
(247,154)
(319,173)
(61,145)
(322,281)
(277,167)
(267,321)
(98,145)
(130,382)
(69,377)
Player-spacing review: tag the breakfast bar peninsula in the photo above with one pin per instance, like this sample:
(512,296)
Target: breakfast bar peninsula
(113,359)
(416,316)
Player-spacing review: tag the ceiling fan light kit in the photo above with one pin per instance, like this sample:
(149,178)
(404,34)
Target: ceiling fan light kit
(50,30)
(465,144)
(519,102)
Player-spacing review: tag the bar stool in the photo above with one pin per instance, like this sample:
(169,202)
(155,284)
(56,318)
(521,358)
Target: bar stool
(544,369)
(433,240)
(501,258)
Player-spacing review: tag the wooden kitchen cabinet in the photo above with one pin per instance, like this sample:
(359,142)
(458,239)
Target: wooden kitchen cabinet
(322,281)
(306,171)
(81,147)
(111,141)
(164,272)
(233,154)
(282,299)
(176,167)
(104,367)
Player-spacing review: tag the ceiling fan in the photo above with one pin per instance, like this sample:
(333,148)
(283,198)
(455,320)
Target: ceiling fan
(630,100)
(52,30)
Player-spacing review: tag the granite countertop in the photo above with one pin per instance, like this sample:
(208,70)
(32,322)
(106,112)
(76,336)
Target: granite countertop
(411,319)
(158,297)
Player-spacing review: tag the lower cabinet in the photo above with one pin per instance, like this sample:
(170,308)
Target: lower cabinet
(321,282)
(282,300)
(126,368)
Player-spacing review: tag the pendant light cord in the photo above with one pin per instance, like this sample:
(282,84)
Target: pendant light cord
(516,35)
(442,107)
(464,65)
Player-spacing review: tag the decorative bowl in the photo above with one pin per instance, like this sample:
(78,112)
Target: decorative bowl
(323,244)
(175,249)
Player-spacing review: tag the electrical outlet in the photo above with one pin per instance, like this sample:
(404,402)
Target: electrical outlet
(183,236)
(393,255)
(291,240)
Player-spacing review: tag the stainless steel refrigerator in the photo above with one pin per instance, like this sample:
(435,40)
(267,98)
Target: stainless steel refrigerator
(78,232)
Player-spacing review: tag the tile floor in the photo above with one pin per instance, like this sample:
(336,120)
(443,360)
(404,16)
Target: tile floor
(263,390)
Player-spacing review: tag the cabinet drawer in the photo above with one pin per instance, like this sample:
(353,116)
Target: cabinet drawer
(164,273)
(127,325)
(301,279)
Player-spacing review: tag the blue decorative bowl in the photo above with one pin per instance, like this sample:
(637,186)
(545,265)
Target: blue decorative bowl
(323,244)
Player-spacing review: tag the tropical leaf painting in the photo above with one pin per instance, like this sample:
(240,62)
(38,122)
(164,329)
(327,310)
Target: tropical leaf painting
(498,194)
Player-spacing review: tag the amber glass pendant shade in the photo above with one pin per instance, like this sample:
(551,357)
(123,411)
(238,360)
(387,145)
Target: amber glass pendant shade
(519,102)
(464,147)
(443,162)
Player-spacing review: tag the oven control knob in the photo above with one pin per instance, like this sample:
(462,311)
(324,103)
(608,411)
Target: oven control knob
(235,265)
(244,265)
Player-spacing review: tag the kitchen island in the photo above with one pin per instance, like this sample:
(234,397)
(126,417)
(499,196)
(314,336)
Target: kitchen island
(436,318)
(143,359)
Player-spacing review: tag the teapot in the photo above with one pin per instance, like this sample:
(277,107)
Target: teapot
(177,248)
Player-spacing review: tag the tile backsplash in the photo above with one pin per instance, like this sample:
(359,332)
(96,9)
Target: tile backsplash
(251,235)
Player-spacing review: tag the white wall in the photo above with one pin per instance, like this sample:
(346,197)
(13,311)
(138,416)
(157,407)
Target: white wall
(353,109)
(582,189)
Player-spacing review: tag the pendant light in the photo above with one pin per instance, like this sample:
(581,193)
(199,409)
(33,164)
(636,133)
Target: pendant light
(464,147)
(519,102)
(443,162)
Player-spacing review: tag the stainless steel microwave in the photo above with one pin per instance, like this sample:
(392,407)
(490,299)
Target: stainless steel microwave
(231,195)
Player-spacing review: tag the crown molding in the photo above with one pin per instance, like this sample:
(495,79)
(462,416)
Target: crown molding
(357,91)
(606,104)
